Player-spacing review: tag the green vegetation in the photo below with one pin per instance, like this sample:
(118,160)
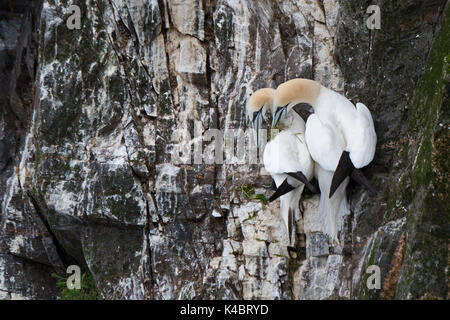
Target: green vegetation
(272,133)
(251,215)
(88,289)
(249,192)
(424,179)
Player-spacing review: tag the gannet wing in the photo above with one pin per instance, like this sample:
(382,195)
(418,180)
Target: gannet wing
(344,168)
(286,153)
(362,140)
(284,188)
(322,142)
(301,177)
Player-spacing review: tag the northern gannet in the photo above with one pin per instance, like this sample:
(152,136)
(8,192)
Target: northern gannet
(286,158)
(257,105)
(337,122)
(340,138)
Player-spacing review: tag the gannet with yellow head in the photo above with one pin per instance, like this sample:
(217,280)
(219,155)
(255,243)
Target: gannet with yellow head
(345,127)
(258,103)
(340,137)
(286,158)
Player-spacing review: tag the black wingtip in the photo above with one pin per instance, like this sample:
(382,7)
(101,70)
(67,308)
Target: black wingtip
(312,187)
(332,190)
(315,183)
(284,188)
(273,185)
(359,177)
(302,178)
(344,168)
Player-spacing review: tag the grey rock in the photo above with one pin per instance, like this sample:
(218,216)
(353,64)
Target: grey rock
(4,155)
(318,244)
(94,119)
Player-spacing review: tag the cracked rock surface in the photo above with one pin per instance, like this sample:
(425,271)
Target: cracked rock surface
(99,148)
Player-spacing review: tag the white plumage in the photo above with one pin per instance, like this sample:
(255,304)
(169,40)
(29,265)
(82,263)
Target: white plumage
(350,127)
(363,139)
(336,127)
(285,153)
(325,143)
(288,153)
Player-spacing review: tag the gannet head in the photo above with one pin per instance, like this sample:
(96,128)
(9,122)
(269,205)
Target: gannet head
(292,92)
(257,104)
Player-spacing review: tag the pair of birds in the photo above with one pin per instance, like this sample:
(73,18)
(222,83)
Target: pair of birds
(337,140)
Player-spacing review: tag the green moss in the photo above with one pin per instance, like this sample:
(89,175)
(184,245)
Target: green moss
(251,216)
(364,292)
(88,289)
(424,183)
(249,192)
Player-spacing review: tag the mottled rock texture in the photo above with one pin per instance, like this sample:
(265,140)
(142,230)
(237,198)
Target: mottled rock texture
(94,137)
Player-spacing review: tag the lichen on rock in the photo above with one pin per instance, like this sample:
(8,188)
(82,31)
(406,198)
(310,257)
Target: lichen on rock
(92,120)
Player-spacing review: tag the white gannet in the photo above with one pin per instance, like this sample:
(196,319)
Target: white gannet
(286,158)
(340,138)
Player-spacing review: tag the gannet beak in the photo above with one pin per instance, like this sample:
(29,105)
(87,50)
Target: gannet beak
(256,123)
(278,115)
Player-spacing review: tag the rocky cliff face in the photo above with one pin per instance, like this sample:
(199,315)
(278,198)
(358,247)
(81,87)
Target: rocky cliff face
(102,128)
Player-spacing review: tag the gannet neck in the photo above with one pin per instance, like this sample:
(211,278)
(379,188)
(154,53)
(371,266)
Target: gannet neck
(293,122)
(297,91)
(332,104)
